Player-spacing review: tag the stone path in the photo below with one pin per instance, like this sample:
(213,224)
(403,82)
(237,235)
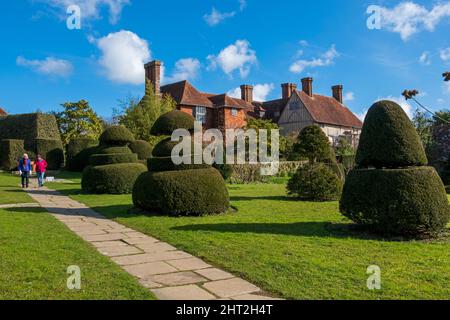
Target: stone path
(20,205)
(169,273)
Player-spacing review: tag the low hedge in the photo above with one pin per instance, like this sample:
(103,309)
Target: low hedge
(167,123)
(112,178)
(408,201)
(52,151)
(10,152)
(117,135)
(179,193)
(158,164)
(104,159)
(76,159)
(142,148)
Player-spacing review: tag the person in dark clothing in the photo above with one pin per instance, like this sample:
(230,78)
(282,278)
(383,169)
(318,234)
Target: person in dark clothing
(25,170)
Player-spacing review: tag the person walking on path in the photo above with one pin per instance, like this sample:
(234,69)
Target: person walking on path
(25,170)
(41,167)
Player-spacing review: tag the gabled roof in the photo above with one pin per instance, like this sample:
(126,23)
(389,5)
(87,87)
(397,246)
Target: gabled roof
(328,110)
(3,112)
(184,93)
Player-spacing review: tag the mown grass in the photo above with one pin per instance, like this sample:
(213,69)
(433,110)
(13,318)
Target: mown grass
(10,192)
(293,249)
(36,250)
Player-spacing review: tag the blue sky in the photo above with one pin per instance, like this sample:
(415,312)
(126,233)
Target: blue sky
(219,45)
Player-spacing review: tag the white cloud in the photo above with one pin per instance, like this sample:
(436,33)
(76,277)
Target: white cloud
(324,60)
(90,9)
(216,17)
(49,66)
(237,56)
(425,59)
(445,54)
(123,57)
(185,69)
(349,96)
(399,100)
(260,92)
(409,18)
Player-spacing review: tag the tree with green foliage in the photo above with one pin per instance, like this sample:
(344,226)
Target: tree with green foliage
(78,120)
(344,148)
(139,116)
(313,144)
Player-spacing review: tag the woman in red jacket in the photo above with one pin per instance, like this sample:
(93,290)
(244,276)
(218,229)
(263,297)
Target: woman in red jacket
(41,166)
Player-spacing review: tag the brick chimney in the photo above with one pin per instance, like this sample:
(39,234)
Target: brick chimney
(153,74)
(287,89)
(337,93)
(307,86)
(247,93)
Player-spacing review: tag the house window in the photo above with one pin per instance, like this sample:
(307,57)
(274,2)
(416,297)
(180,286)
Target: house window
(234,112)
(200,114)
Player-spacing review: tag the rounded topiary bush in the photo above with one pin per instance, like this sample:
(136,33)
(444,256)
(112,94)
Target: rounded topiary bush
(116,135)
(103,159)
(107,149)
(142,148)
(392,191)
(315,182)
(171,121)
(399,201)
(158,164)
(388,139)
(111,179)
(184,192)
(78,153)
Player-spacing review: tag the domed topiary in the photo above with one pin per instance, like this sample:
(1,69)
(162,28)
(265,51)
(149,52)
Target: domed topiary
(142,148)
(117,135)
(186,189)
(107,149)
(389,139)
(401,196)
(171,121)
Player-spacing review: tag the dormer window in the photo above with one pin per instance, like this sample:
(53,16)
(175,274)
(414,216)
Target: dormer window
(234,112)
(200,114)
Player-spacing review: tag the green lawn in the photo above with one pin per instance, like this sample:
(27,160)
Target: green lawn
(293,249)
(36,250)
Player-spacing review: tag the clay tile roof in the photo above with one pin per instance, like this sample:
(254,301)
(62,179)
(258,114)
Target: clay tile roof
(3,112)
(328,110)
(184,93)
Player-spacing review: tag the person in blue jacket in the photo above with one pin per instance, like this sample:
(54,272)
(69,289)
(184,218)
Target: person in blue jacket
(25,170)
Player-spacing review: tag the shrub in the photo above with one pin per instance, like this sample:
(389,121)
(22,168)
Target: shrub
(10,153)
(225,170)
(171,121)
(315,182)
(81,161)
(314,145)
(400,201)
(52,151)
(75,154)
(189,192)
(164,148)
(104,159)
(112,178)
(389,139)
(142,148)
(447,189)
(158,164)
(116,135)
(105,149)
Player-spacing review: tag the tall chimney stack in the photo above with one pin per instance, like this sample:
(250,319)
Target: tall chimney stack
(287,89)
(247,93)
(337,93)
(307,86)
(153,74)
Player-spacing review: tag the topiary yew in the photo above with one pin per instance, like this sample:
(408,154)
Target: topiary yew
(171,121)
(117,136)
(142,148)
(400,195)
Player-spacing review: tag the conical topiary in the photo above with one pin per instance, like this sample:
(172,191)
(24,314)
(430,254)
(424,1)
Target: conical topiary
(389,139)
(113,168)
(392,190)
(186,189)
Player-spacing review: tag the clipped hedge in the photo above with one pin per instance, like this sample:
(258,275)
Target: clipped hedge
(189,192)
(10,153)
(142,148)
(104,159)
(167,123)
(315,182)
(398,201)
(389,139)
(116,135)
(112,178)
(52,151)
(106,149)
(166,164)
(76,156)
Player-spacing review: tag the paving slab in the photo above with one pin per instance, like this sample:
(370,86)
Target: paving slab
(149,269)
(189,292)
(252,297)
(119,251)
(150,257)
(156,247)
(189,264)
(214,274)
(231,287)
(178,279)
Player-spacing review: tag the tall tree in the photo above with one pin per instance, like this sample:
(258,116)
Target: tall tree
(314,145)
(139,116)
(78,120)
